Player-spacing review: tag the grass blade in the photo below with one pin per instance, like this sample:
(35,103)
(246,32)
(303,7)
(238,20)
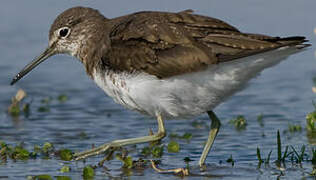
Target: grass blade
(259,155)
(279,146)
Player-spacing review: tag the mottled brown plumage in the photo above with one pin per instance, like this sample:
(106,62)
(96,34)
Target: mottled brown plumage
(167,44)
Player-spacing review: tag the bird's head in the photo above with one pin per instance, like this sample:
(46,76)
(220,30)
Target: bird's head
(73,32)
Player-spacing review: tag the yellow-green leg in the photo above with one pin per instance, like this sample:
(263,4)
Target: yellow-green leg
(216,124)
(122,142)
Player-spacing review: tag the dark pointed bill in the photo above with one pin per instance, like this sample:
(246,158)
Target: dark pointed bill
(46,54)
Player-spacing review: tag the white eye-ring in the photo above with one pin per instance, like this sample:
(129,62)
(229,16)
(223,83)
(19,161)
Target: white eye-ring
(63,32)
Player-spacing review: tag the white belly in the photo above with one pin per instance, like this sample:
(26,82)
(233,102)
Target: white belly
(189,94)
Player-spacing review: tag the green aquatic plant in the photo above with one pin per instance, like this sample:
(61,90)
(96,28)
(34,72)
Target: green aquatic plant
(260,120)
(310,122)
(65,154)
(299,157)
(14,109)
(186,136)
(239,122)
(47,148)
(46,100)
(64,169)
(63,178)
(126,160)
(43,109)
(88,172)
(62,98)
(173,147)
(294,128)
(157,151)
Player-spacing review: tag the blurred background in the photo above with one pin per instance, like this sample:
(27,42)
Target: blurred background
(282,96)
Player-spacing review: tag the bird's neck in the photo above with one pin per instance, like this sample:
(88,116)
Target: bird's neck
(94,46)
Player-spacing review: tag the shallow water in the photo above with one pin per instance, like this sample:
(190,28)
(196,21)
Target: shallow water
(283,94)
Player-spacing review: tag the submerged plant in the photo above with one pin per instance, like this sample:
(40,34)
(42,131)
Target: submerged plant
(310,122)
(88,172)
(295,128)
(14,109)
(173,147)
(239,122)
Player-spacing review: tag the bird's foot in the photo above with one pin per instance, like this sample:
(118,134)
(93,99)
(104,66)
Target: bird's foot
(178,171)
(93,151)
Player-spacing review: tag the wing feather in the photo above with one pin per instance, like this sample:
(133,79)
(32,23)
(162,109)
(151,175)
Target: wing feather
(167,44)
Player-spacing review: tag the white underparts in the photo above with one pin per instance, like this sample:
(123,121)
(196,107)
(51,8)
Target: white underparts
(188,94)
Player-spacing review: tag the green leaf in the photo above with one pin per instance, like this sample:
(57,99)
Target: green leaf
(43,177)
(240,122)
(65,154)
(65,169)
(88,172)
(310,122)
(128,162)
(173,147)
(46,100)
(259,155)
(63,178)
(20,153)
(14,110)
(47,148)
(187,136)
(43,109)
(62,98)
(146,151)
(157,151)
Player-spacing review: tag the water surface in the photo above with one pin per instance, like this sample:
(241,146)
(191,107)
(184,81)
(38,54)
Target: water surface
(283,94)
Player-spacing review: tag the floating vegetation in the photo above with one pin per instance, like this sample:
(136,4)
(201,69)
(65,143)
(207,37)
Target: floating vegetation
(173,147)
(88,172)
(64,169)
(14,109)
(65,154)
(157,151)
(20,153)
(239,122)
(47,148)
(40,177)
(186,136)
(63,178)
(199,124)
(15,153)
(126,160)
(260,120)
(295,128)
(43,109)
(62,98)
(310,122)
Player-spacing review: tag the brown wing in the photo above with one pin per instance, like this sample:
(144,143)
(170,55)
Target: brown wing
(168,44)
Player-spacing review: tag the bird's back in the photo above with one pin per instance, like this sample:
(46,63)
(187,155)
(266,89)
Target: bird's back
(167,44)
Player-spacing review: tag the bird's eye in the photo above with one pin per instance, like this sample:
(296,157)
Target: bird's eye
(63,32)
